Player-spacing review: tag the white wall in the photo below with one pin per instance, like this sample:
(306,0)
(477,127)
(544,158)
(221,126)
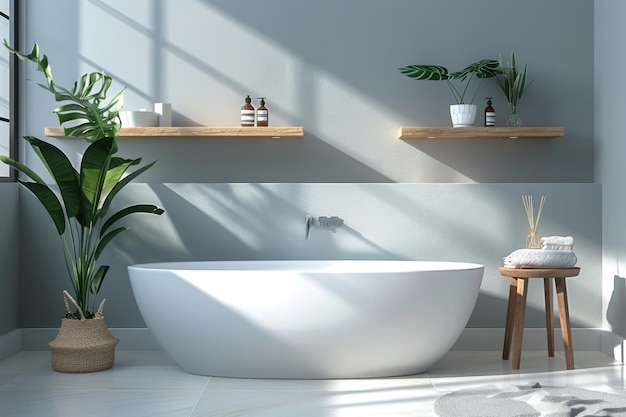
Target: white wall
(610,157)
(332,68)
(463,222)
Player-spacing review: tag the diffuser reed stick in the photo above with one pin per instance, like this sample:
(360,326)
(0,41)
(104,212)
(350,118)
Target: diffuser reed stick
(533,240)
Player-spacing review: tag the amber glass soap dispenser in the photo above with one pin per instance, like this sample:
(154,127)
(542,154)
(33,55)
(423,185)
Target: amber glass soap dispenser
(262,114)
(490,114)
(247,113)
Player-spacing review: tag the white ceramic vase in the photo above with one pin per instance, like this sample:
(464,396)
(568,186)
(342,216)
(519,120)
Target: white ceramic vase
(463,115)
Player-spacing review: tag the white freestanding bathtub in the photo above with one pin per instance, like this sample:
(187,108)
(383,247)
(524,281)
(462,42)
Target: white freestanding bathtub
(306,319)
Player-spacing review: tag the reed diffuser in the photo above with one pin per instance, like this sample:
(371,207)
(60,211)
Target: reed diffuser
(533,239)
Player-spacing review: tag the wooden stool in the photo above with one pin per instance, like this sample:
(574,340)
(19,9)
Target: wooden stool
(518,290)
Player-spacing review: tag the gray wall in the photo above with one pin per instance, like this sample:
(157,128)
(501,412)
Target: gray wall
(610,150)
(9,239)
(463,222)
(332,68)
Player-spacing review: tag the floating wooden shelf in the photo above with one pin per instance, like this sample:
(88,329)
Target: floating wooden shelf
(198,131)
(481,132)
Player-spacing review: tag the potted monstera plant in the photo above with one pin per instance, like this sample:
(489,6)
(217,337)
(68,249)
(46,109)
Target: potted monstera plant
(463,113)
(79,205)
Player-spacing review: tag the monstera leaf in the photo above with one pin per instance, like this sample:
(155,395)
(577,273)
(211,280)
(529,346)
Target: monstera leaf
(485,68)
(426,72)
(83,108)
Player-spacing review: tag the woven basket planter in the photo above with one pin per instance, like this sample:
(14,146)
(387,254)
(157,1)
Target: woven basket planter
(84,345)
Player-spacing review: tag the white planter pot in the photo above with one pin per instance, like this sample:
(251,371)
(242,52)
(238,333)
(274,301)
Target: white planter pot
(463,115)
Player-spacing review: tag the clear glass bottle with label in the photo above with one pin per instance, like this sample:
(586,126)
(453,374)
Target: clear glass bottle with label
(262,114)
(490,114)
(247,113)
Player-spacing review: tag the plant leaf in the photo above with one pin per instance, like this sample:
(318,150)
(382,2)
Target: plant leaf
(93,170)
(104,240)
(51,203)
(485,68)
(426,72)
(22,168)
(96,282)
(512,82)
(138,208)
(40,189)
(121,184)
(64,174)
(88,91)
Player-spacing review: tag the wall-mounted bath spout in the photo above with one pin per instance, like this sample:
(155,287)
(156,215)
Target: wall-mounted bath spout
(331,223)
(309,220)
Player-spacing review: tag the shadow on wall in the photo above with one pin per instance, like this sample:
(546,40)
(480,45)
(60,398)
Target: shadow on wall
(323,85)
(492,313)
(529,154)
(311,159)
(616,309)
(266,221)
(233,222)
(479,224)
(250,161)
(436,222)
(371,70)
(220,222)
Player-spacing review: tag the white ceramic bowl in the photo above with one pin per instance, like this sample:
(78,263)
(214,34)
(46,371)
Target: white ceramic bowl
(140,118)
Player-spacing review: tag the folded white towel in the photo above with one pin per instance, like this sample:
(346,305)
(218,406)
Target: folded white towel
(540,258)
(557,242)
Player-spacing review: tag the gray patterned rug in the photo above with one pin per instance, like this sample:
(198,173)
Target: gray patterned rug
(530,400)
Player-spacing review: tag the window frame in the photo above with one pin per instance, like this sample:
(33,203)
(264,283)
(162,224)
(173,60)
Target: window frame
(13,18)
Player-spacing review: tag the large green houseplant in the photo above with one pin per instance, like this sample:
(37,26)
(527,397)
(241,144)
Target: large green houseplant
(79,202)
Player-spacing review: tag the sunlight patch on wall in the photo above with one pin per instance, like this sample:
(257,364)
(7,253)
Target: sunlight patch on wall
(205,61)
(238,218)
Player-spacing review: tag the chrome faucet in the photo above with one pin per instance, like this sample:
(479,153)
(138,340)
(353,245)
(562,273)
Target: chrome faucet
(309,221)
(331,223)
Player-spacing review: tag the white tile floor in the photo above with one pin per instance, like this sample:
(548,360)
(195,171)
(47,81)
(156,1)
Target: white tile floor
(150,384)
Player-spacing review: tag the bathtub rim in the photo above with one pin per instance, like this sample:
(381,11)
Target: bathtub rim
(330,266)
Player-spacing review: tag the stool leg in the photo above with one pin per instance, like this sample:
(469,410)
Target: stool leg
(520,310)
(547,289)
(566,331)
(510,316)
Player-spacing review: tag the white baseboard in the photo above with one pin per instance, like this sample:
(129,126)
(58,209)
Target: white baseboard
(536,339)
(10,343)
(471,339)
(613,345)
(130,338)
(533,339)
